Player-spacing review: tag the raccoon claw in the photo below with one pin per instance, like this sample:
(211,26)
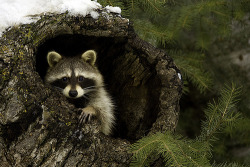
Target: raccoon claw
(86,114)
(85,117)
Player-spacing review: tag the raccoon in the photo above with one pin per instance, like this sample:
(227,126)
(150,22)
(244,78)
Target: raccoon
(80,81)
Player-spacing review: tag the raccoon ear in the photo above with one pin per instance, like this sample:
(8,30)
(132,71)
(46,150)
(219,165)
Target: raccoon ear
(53,58)
(89,57)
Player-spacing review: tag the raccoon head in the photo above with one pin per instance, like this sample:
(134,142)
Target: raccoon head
(75,76)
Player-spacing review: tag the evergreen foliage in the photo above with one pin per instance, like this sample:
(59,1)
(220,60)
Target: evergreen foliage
(175,150)
(179,151)
(187,29)
(191,64)
(228,165)
(220,115)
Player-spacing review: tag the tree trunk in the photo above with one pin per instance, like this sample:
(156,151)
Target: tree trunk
(39,127)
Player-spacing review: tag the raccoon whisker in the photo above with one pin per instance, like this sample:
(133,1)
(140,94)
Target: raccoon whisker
(89,90)
(90,87)
(93,87)
(85,97)
(58,88)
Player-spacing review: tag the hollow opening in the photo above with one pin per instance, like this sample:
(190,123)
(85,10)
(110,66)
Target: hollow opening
(70,45)
(129,78)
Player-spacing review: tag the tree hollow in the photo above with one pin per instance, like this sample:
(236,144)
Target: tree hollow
(144,83)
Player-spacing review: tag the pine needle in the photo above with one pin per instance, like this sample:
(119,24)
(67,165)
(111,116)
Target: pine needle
(191,65)
(228,165)
(175,151)
(221,114)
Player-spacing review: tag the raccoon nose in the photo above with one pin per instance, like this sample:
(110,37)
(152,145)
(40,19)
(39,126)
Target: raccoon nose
(73,93)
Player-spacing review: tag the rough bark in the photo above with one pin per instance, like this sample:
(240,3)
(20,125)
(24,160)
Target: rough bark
(39,127)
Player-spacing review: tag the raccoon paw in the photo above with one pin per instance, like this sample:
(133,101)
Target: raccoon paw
(86,114)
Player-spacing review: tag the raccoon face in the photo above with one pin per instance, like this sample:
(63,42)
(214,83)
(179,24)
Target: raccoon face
(76,77)
(75,86)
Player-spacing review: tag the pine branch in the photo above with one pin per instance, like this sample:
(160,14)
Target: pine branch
(142,149)
(228,165)
(178,151)
(152,7)
(221,114)
(191,65)
(240,131)
(175,150)
(152,33)
(169,19)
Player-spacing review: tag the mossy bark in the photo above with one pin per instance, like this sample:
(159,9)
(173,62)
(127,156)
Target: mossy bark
(39,127)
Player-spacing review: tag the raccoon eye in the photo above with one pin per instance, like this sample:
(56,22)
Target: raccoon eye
(80,78)
(64,79)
